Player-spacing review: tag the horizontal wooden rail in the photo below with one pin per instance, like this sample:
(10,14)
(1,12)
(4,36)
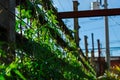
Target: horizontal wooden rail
(89,13)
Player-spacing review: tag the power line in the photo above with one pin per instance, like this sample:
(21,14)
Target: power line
(97,28)
(113,29)
(61,5)
(114,32)
(114,21)
(104,48)
(115,41)
(91,20)
(70,5)
(13,14)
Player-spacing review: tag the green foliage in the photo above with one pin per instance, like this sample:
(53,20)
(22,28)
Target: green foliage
(10,71)
(116,70)
(42,56)
(108,76)
(113,74)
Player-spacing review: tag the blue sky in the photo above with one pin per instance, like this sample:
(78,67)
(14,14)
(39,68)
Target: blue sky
(94,24)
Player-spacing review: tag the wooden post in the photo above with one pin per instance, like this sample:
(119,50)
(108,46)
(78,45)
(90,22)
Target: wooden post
(92,52)
(99,51)
(76,26)
(11,21)
(86,46)
(7,21)
(99,57)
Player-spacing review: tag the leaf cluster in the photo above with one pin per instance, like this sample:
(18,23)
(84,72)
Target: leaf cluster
(43,51)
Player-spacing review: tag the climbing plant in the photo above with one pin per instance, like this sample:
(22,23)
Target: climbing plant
(43,50)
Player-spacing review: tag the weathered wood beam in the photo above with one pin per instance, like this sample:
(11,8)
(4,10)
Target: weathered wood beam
(7,20)
(89,13)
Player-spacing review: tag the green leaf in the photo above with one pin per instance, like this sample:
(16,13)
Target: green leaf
(1,77)
(19,74)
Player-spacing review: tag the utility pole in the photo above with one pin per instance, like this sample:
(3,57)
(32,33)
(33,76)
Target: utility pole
(86,46)
(107,37)
(76,25)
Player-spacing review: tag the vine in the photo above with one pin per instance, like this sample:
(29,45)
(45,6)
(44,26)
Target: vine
(47,54)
